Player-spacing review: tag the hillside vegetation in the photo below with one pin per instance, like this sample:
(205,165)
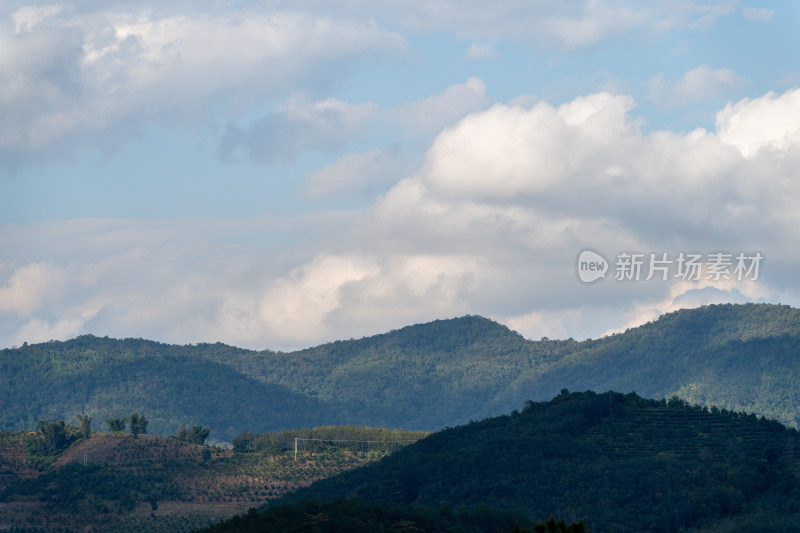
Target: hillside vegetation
(354,516)
(614,461)
(148,483)
(425,376)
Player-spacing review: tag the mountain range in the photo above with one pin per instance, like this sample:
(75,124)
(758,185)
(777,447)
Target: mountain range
(425,376)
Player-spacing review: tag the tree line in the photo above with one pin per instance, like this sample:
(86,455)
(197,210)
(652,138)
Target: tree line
(53,437)
(348,436)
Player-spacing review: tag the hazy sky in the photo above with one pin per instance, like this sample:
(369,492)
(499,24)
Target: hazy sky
(279,174)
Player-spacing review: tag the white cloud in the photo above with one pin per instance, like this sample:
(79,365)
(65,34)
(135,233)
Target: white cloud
(68,73)
(588,160)
(27,288)
(169,280)
(411,287)
(98,73)
(770,121)
(491,225)
(507,150)
(699,84)
(302,302)
(532,186)
(762,14)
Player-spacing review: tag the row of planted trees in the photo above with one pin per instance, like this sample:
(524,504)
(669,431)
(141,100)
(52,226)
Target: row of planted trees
(135,421)
(52,438)
(137,424)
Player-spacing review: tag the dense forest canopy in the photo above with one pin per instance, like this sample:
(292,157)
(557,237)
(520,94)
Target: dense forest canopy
(426,376)
(616,461)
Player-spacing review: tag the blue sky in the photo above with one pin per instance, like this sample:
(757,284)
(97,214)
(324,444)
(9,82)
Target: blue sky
(279,174)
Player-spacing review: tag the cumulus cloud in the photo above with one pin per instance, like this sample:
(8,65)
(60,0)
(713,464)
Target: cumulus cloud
(770,121)
(533,185)
(588,157)
(510,150)
(699,84)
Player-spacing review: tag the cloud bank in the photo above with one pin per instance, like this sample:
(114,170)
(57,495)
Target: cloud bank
(491,224)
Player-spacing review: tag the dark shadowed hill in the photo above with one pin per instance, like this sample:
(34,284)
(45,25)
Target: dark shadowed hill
(425,376)
(615,461)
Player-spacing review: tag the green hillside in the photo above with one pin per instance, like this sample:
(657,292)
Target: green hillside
(740,357)
(615,461)
(448,372)
(171,384)
(425,376)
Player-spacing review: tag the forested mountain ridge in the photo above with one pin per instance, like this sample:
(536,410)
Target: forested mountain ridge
(172,384)
(617,462)
(425,376)
(741,357)
(472,367)
(422,376)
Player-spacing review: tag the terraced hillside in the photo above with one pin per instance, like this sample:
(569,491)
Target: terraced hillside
(149,483)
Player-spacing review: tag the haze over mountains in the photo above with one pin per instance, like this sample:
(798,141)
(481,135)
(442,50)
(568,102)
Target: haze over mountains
(424,376)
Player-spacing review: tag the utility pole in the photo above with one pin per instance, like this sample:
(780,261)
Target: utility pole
(295,448)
